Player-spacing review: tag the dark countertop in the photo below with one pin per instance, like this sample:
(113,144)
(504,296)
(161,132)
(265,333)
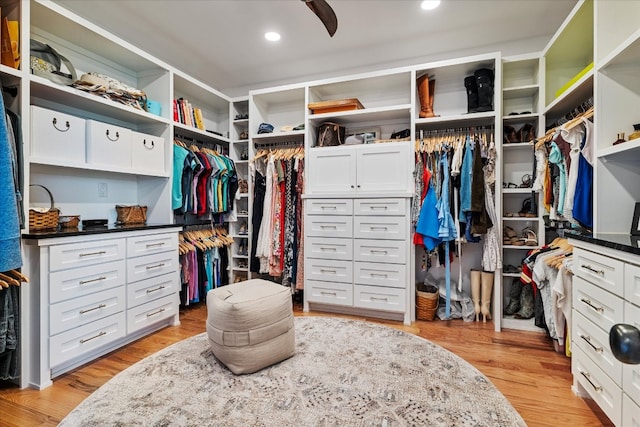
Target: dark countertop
(621,242)
(111,228)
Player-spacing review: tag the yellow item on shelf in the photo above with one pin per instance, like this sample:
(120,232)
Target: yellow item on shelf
(577,77)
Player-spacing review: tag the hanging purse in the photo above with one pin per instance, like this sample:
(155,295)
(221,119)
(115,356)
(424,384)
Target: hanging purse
(330,134)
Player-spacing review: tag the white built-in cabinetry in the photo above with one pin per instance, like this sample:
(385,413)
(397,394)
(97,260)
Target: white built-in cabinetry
(95,293)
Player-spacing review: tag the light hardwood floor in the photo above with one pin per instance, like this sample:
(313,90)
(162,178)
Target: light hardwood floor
(522,365)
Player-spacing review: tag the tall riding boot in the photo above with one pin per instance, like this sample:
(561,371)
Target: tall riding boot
(514,297)
(426,101)
(527,303)
(432,92)
(487,286)
(472,93)
(475,292)
(484,80)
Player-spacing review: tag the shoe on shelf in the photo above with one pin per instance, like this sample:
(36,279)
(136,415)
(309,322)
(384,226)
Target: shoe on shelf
(529,236)
(243,228)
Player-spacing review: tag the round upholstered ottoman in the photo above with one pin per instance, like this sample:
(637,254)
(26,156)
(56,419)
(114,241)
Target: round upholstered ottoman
(250,325)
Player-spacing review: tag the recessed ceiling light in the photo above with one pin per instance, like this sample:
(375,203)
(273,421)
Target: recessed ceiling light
(272,36)
(430,4)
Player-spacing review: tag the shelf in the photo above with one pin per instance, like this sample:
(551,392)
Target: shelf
(519,218)
(10,71)
(240,269)
(241,122)
(395,112)
(509,322)
(460,120)
(278,137)
(520,117)
(516,190)
(525,247)
(100,168)
(240,236)
(523,91)
(514,275)
(241,256)
(627,151)
(516,145)
(78,103)
(197,134)
(579,92)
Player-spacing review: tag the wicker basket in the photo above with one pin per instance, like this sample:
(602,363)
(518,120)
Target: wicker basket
(69,221)
(131,215)
(48,220)
(427,297)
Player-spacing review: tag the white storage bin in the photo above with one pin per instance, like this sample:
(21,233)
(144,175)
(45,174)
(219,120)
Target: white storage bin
(147,153)
(108,145)
(57,136)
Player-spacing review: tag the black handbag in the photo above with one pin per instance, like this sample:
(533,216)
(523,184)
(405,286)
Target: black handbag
(330,134)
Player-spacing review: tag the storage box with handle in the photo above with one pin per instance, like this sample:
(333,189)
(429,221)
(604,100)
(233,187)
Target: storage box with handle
(43,218)
(108,145)
(57,136)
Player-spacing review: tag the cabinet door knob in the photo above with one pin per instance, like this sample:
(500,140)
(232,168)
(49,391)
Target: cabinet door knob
(352,186)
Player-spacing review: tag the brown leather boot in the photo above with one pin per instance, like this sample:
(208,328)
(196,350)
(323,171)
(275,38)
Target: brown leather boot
(425,96)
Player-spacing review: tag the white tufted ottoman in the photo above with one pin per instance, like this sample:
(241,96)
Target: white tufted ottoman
(250,325)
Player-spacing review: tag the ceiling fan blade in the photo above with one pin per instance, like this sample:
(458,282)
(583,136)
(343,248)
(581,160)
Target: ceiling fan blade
(326,14)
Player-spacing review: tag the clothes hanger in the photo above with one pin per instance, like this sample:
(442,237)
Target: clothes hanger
(18,276)
(8,279)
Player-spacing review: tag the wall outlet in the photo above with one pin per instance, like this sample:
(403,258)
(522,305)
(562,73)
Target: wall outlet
(103,189)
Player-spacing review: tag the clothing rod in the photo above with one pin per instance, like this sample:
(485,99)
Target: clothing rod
(281,144)
(197,141)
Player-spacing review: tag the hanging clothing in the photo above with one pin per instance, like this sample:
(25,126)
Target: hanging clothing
(259,189)
(491,254)
(428,223)
(583,199)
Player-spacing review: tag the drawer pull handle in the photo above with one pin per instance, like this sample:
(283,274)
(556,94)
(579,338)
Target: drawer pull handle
(153,245)
(588,378)
(82,341)
(109,138)
(593,270)
(587,338)
(384,275)
(155,312)
(333,294)
(84,282)
(159,288)
(377,228)
(328,271)
(94,253)
(379,207)
(330,227)
(328,249)
(67,125)
(379,299)
(92,309)
(150,267)
(378,251)
(590,304)
(333,208)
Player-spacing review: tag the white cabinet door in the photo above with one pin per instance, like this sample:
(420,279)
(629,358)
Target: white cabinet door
(384,168)
(332,170)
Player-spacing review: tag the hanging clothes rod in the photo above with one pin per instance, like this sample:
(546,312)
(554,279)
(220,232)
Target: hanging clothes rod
(279,144)
(190,140)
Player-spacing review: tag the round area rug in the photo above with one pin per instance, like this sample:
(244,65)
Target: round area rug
(344,373)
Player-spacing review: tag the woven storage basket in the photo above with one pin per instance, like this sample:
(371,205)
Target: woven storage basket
(48,220)
(427,297)
(131,215)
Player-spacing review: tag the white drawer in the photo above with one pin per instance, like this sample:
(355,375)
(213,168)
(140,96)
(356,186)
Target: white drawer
(80,311)
(85,253)
(378,227)
(329,207)
(595,343)
(632,284)
(328,292)
(328,248)
(631,377)
(380,207)
(108,145)
(608,273)
(147,153)
(150,289)
(84,339)
(328,270)
(598,385)
(148,266)
(76,282)
(379,298)
(328,226)
(56,135)
(386,251)
(630,412)
(601,307)
(156,311)
(151,244)
(378,274)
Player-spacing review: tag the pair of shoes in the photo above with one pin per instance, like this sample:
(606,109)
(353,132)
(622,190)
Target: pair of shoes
(242,264)
(512,269)
(241,116)
(481,286)
(526,133)
(514,298)
(244,135)
(527,181)
(529,237)
(243,212)
(527,303)
(243,228)
(426,90)
(242,248)
(243,186)
(528,208)
(509,185)
(479,89)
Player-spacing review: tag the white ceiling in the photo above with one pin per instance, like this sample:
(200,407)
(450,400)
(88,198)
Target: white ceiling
(221,43)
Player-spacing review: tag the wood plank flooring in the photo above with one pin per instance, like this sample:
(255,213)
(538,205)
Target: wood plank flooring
(522,365)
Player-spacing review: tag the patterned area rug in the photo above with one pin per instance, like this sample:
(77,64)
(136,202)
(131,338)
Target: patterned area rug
(344,373)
